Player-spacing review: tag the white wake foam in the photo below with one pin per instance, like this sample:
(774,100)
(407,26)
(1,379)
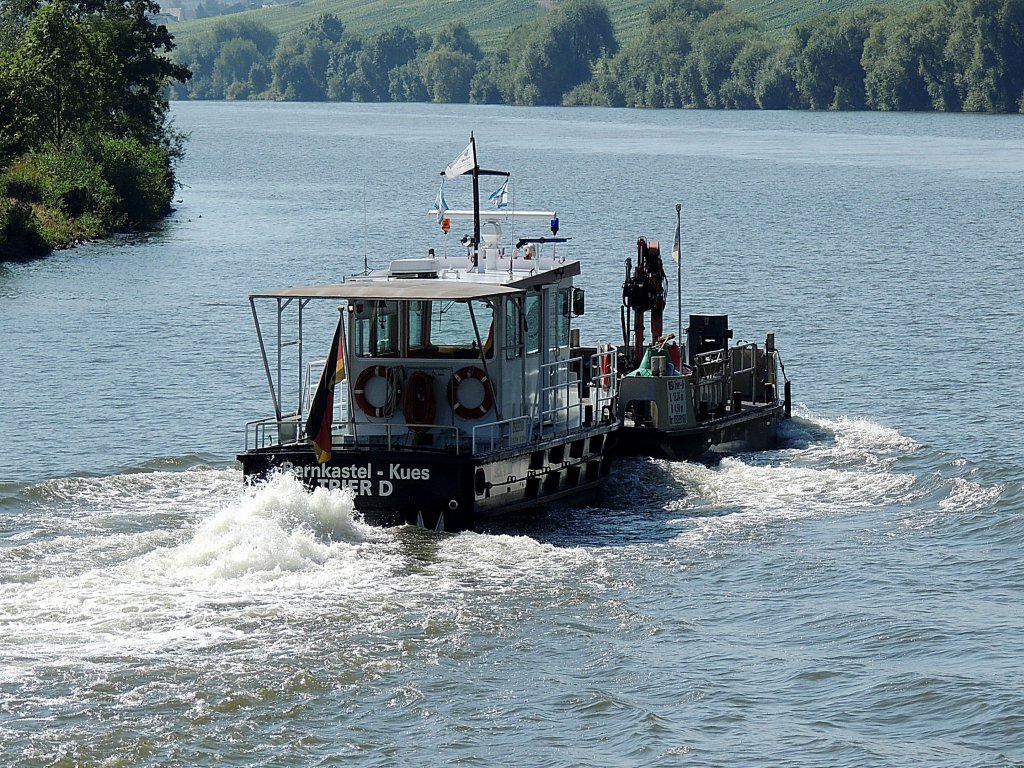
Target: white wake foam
(838,466)
(251,553)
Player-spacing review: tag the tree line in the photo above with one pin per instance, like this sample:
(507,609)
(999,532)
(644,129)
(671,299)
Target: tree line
(85,144)
(948,55)
(241,59)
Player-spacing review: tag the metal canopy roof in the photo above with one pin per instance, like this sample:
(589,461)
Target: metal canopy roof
(399,288)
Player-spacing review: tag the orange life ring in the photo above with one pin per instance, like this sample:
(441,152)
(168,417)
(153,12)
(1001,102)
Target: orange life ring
(365,405)
(418,405)
(470,372)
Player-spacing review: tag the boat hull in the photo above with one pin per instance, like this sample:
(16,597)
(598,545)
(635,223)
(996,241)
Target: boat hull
(753,429)
(445,491)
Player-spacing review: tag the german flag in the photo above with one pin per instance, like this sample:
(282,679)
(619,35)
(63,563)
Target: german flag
(321,411)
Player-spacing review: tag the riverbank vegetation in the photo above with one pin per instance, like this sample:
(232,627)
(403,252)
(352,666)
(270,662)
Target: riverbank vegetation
(946,55)
(85,145)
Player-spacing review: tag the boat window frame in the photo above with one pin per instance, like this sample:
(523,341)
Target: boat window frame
(368,341)
(533,322)
(563,316)
(514,326)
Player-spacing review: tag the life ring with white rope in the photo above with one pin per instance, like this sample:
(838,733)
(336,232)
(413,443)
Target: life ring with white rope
(392,389)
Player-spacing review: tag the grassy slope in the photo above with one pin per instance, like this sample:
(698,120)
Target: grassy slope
(779,14)
(491,20)
(488,20)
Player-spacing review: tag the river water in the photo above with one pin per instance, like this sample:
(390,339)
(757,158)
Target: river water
(851,599)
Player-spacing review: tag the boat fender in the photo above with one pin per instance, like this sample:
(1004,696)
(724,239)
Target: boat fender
(419,406)
(364,404)
(465,412)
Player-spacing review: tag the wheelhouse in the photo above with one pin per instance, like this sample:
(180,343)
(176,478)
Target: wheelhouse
(428,358)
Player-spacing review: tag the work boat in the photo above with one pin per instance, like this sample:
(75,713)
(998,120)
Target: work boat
(455,389)
(700,399)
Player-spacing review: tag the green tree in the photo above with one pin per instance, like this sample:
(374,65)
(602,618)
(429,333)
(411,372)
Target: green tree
(901,51)
(343,68)
(775,86)
(454,37)
(557,54)
(380,54)
(828,71)
(202,54)
(17,123)
(657,70)
(136,68)
(986,51)
(300,68)
(405,83)
(301,61)
(233,71)
(14,19)
(447,75)
(717,42)
(84,136)
(739,91)
(57,69)
(489,80)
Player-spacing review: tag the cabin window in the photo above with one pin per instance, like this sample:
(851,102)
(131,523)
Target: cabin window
(361,329)
(533,323)
(513,328)
(419,327)
(376,329)
(452,327)
(562,321)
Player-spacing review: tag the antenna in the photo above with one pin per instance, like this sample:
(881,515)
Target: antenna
(678,255)
(366,234)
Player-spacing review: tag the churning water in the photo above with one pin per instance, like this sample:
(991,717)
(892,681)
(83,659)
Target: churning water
(853,598)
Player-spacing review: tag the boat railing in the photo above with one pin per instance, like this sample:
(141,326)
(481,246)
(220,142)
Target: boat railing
(565,409)
(744,368)
(604,377)
(263,433)
(743,373)
(561,406)
(497,435)
(309,384)
(755,373)
(396,437)
(711,374)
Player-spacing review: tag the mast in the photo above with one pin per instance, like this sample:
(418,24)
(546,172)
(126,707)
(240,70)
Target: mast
(466,163)
(678,256)
(476,201)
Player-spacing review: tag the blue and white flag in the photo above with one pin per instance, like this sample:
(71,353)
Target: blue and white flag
(500,196)
(440,205)
(464,162)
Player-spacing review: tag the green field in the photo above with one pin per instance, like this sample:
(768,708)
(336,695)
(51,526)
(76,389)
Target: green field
(779,14)
(490,21)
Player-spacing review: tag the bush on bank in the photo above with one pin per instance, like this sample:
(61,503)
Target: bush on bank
(85,145)
(53,198)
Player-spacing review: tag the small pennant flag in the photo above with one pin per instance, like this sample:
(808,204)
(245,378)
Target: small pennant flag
(440,205)
(464,162)
(321,411)
(500,196)
(677,249)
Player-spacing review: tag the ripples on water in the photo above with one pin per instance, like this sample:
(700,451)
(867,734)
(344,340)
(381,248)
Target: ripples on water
(851,599)
(794,607)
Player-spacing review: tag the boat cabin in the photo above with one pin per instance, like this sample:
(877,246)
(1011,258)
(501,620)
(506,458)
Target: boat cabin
(445,352)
